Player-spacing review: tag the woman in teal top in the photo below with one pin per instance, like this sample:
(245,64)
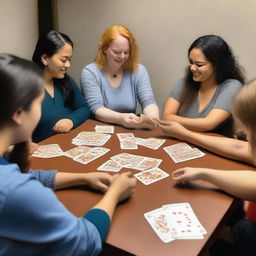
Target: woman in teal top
(63,107)
(32,219)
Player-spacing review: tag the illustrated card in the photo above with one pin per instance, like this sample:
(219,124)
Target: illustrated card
(158,221)
(128,144)
(48,151)
(110,166)
(91,139)
(125,159)
(183,221)
(188,155)
(124,136)
(74,152)
(151,176)
(152,143)
(104,129)
(146,163)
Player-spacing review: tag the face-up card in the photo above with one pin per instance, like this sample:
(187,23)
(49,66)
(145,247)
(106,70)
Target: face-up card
(188,155)
(128,144)
(151,176)
(146,164)
(183,221)
(48,151)
(152,143)
(91,139)
(123,136)
(77,151)
(110,166)
(157,220)
(125,159)
(104,128)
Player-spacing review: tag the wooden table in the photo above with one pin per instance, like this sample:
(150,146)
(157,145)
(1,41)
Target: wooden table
(130,234)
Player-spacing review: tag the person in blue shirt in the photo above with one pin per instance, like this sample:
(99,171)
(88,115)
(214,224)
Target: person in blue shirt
(32,219)
(64,106)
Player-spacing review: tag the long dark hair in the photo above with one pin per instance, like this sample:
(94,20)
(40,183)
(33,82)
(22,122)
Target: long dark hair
(216,51)
(49,43)
(21,81)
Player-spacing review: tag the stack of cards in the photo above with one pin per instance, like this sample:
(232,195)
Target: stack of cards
(175,221)
(91,139)
(183,152)
(136,162)
(151,176)
(84,155)
(48,151)
(104,129)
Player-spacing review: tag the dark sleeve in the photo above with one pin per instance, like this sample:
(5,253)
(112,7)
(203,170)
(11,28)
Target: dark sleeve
(81,111)
(101,220)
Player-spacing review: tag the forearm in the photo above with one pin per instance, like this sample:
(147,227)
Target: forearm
(195,124)
(108,203)
(227,147)
(238,183)
(66,179)
(108,116)
(152,111)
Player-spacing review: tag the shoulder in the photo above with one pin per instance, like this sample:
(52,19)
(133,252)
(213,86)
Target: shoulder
(231,83)
(92,67)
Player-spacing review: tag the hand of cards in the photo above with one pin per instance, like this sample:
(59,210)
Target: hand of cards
(181,152)
(148,120)
(175,221)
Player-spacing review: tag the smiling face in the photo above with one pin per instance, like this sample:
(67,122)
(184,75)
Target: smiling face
(201,68)
(117,52)
(58,63)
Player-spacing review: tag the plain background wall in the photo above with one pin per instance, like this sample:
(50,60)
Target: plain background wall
(18,27)
(164,30)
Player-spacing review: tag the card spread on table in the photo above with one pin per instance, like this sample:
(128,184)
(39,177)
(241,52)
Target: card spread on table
(104,128)
(91,139)
(95,153)
(151,176)
(181,152)
(48,151)
(175,221)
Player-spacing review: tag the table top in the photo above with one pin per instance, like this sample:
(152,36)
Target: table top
(129,230)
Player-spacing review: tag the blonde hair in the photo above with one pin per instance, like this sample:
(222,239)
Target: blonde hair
(109,35)
(244,109)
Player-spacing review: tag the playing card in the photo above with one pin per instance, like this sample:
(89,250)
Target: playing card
(123,136)
(158,221)
(183,221)
(152,143)
(91,138)
(128,144)
(125,159)
(151,176)
(146,164)
(77,151)
(48,151)
(110,166)
(188,155)
(104,128)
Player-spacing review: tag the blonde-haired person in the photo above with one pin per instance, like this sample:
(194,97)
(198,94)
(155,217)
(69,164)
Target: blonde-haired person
(238,183)
(114,83)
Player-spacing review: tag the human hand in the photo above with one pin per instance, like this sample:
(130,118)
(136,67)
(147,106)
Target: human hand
(100,181)
(187,174)
(173,129)
(123,185)
(63,126)
(130,120)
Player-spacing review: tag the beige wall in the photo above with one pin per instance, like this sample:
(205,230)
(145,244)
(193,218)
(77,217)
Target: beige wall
(18,27)
(164,29)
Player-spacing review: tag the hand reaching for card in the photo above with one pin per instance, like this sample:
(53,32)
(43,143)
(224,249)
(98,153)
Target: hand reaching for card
(187,174)
(63,126)
(173,129)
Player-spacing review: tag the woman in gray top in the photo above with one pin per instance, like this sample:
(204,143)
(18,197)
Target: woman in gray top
(202,100)
(115,82)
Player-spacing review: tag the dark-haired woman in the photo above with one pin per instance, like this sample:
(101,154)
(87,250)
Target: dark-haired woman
(202,100)
(63,107)
(32,219)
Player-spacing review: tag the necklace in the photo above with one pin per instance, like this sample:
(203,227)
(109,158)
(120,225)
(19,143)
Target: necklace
(115,75)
